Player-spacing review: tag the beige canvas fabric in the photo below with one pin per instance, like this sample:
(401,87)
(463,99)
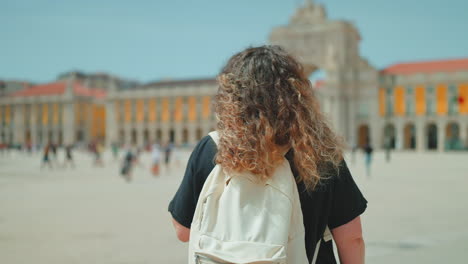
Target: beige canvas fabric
(241,220)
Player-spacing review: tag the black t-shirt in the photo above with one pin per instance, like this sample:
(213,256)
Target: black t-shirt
(335,202)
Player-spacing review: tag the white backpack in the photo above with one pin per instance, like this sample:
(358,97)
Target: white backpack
(239,219)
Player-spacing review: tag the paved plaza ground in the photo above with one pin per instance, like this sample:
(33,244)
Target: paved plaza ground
(417,211)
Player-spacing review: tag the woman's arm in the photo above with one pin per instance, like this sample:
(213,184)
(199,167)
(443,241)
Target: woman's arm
(183,233)
(349,241)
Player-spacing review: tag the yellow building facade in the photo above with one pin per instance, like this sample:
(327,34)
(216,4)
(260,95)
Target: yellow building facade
(424,105)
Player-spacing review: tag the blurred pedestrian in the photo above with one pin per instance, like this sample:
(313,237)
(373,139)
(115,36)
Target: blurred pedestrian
(69,156)
(388,148)
(46,157)
(353,152)
(96,149)
(53,150)
(156,159)
(168,153)
(127,165)
(368,158)
(3,148)
(115,150)
(29,146)
(137,155)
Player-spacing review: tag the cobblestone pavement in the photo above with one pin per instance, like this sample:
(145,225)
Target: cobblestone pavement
(417,211)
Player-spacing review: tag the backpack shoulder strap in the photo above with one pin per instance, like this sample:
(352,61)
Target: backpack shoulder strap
(327,236)
(215,136)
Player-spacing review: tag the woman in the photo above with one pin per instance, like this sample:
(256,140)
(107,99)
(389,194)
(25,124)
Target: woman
(264,105)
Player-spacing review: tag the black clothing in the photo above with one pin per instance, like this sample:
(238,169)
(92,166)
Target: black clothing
(368,149)
(68,153)
(335,202)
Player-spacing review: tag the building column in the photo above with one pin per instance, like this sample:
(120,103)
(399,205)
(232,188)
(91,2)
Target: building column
(10,136)
(206,127)
(55,135)
(45,135)
(344,118)
(164,134)
(140,135)
(88,131)
(463,133)
(68,123)
(18,124)
(339,116)
(178,130)
(192,130)
(152,134)
(374,119)
(441,136)
(421,134)
(111,124)
(400,135)
(33,125)
(375,134)
(68,113)
(351,119)
(111,121)
(128,134)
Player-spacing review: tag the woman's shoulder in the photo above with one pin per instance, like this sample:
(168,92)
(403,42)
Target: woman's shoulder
(206,146)
(202,158)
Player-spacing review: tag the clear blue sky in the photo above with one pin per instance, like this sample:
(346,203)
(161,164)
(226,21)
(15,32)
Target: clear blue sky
(150,40)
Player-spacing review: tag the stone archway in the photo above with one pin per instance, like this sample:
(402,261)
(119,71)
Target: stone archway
(27,136)
(121,137)
(172,136)
(452,137)
(331,46)
(50,136)
(133,137)
(185,136)
(431,136)
(409,134)
(60,138)
(389,138)
(146,137)
(80,135)
(198,134)
(159,136)
(363,135)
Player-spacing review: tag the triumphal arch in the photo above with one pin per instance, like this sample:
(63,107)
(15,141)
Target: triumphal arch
(348,91)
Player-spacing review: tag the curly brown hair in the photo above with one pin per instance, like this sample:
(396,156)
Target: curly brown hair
(265,105)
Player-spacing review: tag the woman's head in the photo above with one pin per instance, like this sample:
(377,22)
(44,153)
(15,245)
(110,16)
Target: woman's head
(265,104)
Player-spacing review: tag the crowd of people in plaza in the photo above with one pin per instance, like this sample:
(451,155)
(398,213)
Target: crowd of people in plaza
(55,156)
(132,154)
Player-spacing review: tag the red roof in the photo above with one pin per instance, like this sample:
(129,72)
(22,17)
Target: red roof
(428,67)
(57,88)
